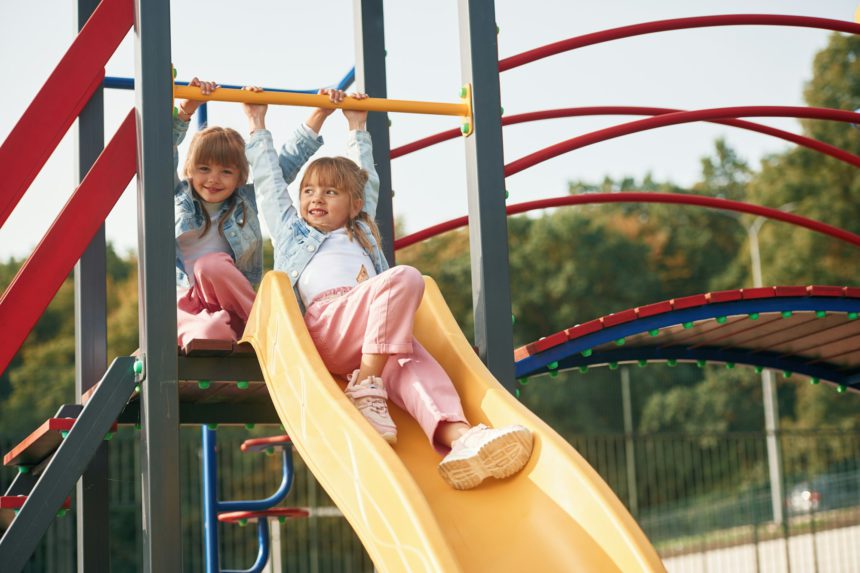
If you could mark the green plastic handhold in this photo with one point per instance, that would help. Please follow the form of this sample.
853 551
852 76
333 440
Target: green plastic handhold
688 325
852 316
502 110
523 381
513 319
250 426
464 129
282 519
786 314
175 112
721 319
242 384
517 392
613 366
701 363
759 369
385 53
620 342
137 426
642 363
61 512
203 384
174 73
552 366
672 362
138 367
463 91
243 522
730 365
753 316
270 450
586 352
137 388
507 194
583 369
498 29
841 388
389 123
786 374
814 380
64 434
553 373
108 436
23 469
654 332
820 313
212 426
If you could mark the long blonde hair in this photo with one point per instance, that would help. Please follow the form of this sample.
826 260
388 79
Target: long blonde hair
344 175
223 146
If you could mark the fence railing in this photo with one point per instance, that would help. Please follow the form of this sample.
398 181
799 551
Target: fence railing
703 500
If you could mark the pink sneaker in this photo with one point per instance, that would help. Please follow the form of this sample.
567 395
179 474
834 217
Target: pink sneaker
369 397
483 452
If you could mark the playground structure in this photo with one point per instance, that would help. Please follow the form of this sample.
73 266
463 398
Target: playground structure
759 326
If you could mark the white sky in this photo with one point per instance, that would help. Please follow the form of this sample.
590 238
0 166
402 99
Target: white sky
309 44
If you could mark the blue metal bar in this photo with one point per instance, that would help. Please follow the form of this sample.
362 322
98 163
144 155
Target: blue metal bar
210 501
262 553
537 363
275 498
121 83
202 116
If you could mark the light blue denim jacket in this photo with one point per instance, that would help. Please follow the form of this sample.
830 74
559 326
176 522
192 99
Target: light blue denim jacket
246 241
295 241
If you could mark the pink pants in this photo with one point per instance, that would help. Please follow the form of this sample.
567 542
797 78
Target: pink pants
376 317
218 304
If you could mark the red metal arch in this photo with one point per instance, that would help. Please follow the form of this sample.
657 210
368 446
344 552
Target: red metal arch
675 24
819 146
676 119
637 197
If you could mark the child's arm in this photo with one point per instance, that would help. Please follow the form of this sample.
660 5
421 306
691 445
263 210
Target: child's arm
269 183
185 109
359 148
294 153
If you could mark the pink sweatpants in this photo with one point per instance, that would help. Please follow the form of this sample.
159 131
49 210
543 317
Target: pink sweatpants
376 317
217 305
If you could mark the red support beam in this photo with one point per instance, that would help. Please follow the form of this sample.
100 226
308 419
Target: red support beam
42 275
57 105
638 197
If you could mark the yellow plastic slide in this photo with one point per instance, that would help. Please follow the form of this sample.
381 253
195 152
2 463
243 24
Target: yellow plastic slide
555 515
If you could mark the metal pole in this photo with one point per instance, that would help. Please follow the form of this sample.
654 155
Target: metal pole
488 225
632 491
768 389
159 413
92 501
370 77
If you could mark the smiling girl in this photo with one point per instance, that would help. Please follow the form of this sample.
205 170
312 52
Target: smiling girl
360 312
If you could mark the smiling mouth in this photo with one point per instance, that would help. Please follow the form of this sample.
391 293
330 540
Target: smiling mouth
317 212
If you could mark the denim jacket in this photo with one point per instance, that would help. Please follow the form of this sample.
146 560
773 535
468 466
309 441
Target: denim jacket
246 240
296 242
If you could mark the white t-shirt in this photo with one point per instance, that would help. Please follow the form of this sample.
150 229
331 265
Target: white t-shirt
193 246
338 263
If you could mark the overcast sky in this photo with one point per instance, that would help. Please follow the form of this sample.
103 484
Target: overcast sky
287 44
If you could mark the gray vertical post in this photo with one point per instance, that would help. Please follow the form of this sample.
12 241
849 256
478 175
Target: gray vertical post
370 78
159 413
630 452
92 504
488 225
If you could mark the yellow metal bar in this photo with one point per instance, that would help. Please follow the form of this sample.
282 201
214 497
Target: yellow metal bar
314 100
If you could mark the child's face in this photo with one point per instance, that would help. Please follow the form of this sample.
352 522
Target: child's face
326 208
214 182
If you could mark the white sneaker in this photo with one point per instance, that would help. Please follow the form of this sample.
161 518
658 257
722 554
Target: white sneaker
483 452
369 397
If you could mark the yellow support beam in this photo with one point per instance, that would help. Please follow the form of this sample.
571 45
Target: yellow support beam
463 109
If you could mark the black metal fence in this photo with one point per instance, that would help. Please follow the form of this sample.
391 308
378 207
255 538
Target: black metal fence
703 500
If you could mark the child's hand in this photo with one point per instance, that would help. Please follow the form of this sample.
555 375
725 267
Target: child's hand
319 115
255 112
187 107
357 119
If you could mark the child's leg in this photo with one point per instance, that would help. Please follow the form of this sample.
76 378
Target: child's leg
375 317
193 320
419 385
220 285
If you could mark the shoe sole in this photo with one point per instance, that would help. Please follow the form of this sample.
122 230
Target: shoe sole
498 458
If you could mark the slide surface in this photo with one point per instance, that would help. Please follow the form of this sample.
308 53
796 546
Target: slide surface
555 515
